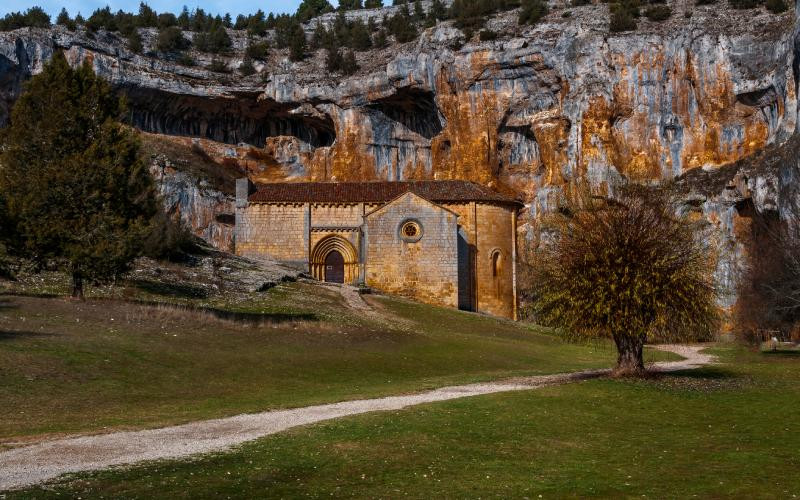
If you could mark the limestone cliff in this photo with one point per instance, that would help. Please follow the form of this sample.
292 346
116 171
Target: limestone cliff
532 112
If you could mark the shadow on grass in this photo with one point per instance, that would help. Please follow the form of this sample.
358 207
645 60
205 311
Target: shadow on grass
223 314
703 373
171 289
782 353
12 334
7 304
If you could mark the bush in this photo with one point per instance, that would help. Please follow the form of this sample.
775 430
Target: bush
401 26
622 19
135 42
258 50
745 4
776 6
215 40
168 239
247 68
218 66
185 59
532 11
171 39
658 12
487 35
35 17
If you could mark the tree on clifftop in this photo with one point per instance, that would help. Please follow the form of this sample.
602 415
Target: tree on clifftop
627 268
76 192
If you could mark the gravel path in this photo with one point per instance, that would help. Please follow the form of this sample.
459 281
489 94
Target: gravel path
44 461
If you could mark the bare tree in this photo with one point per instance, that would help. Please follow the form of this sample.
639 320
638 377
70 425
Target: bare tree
628 268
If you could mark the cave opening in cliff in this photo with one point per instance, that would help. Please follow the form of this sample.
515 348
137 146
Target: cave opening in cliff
237 119
415 109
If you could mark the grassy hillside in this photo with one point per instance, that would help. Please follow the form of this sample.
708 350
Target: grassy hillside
725 431
86 367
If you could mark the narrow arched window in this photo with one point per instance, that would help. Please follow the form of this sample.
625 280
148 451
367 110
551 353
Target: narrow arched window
497 263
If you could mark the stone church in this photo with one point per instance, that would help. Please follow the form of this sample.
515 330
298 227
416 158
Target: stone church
449 243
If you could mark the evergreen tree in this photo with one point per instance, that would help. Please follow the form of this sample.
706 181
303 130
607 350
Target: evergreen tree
359 36
349 64
419 13
184 19
147 17
438 11
312 8
297 43
171 40
63 19
350 5
76 190
135 42
373 4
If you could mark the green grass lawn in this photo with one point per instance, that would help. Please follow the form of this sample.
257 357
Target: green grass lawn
726 431
68 367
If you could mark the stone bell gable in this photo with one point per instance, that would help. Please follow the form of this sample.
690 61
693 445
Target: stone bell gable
412 249
450 243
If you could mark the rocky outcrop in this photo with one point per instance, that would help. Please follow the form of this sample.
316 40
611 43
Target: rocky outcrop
532 113
207 211
762 187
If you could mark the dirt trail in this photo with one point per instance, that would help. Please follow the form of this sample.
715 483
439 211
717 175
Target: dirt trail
37 463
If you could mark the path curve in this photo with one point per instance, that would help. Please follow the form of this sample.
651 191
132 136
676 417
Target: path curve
37 463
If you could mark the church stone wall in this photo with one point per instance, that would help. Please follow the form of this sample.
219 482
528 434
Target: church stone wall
489 229
277 230
338 215
495 228
425 270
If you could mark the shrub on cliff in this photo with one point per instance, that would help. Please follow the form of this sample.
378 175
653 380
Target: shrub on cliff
532 11
35 17
658 12
77 192
401 26
215 40
776 6
247 68
257 50
623 17
171 39
312 8
628 269
135 42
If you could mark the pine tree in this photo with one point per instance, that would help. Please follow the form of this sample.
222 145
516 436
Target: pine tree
135 42
77 192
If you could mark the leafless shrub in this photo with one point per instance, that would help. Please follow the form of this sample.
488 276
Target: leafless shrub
628 268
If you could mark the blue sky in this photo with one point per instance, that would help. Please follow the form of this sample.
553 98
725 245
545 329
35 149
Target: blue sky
85 7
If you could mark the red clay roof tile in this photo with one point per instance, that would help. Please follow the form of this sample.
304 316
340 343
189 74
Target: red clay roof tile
375 192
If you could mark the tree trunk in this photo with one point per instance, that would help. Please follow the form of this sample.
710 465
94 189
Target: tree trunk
630 357
77 285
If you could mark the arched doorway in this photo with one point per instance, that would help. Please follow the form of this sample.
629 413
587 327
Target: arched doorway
345 265
334 267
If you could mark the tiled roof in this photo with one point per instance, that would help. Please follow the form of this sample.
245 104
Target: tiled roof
375 192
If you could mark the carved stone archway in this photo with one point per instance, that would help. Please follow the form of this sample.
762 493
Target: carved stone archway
327 245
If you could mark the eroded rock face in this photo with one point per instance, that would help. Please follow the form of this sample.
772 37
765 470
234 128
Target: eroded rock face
534 113
207 211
